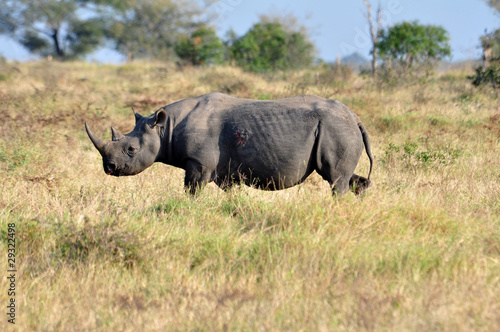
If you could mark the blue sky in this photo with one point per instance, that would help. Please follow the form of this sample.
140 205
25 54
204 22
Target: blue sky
338 27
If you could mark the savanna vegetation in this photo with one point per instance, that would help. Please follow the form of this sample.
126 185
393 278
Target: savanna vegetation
419 251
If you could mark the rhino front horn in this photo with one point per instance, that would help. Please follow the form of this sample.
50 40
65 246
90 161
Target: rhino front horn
98 143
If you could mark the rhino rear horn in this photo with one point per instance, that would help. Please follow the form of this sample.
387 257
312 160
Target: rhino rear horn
137 115
98 143
116 135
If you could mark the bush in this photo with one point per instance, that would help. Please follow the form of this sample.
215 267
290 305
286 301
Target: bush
335 74
227 83
270 47
392 74
488 75
202 47
412 156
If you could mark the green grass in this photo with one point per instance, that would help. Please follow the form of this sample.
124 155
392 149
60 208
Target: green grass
419 251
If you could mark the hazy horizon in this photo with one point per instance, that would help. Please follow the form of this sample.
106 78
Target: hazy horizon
336 28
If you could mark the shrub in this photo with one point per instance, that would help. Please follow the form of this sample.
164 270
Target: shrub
105 239
488 75
412 156
270 47
202 47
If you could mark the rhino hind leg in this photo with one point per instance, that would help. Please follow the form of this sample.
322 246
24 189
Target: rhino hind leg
338 181
359 184
340 187
337 166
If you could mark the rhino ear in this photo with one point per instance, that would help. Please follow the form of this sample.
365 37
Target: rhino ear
160 118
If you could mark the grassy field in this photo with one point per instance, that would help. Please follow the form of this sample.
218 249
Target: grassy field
419 252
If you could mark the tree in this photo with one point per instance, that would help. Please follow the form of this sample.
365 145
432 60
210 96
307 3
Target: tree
495 4
203 46
490 43
374 31
301 50
150 28
51 27
269 47
489 71
411 43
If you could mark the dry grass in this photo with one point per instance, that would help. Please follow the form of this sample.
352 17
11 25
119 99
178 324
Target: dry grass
421 251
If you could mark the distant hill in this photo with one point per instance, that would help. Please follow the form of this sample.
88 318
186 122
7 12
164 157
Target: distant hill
465 65
354 59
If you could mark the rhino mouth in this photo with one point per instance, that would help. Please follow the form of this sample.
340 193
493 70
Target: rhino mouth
120 172
114 172
111 168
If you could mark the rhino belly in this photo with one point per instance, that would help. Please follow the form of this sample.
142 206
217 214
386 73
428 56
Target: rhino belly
273 180
272 164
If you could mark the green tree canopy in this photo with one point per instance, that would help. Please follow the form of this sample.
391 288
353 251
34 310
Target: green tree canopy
410 43
269 46
51 27
492 40
494 4
150 28
202 47
489 71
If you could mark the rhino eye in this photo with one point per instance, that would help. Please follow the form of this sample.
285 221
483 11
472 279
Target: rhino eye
131 149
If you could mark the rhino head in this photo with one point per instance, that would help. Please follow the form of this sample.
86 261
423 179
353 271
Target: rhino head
132 153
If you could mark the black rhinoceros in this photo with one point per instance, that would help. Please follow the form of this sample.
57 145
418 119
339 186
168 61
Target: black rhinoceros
271 144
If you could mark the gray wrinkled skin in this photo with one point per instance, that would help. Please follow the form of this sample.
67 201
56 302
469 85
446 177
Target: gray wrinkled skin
271 145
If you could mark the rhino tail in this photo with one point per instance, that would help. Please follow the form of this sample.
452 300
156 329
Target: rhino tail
366 142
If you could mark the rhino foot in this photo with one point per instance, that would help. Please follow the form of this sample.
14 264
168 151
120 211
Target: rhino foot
359 184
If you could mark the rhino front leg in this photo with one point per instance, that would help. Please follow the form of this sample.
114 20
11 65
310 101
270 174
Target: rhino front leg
197 176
